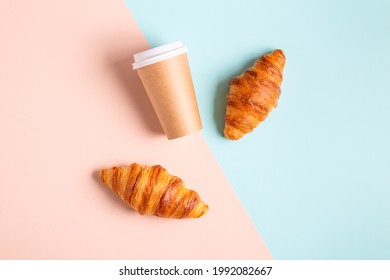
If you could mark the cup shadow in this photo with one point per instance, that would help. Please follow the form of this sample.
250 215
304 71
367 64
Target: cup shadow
136 93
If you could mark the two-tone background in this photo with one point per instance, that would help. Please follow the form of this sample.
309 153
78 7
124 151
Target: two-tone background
311 182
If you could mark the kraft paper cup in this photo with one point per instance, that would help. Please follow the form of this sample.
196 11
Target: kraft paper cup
166 76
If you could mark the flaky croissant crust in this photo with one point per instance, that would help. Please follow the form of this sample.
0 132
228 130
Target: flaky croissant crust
152 190
253 95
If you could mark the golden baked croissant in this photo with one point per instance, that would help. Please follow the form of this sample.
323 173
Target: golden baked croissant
253 94
152 190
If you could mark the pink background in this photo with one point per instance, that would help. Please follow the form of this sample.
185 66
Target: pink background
70 105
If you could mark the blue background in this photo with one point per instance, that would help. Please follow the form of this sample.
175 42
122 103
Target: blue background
315 176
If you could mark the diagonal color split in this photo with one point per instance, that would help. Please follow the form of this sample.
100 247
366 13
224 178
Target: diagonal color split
70 105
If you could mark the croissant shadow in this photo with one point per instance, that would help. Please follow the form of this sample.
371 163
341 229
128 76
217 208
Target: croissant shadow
220 104
116 200
221 94
110 194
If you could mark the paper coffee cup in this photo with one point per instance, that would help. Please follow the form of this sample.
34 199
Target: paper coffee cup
166 76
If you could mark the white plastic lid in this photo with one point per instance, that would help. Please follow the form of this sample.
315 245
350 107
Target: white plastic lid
157 54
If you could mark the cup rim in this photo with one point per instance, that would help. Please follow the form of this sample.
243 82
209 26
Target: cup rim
157 54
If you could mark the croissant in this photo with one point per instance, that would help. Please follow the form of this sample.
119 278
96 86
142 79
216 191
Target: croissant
152 190
253 95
